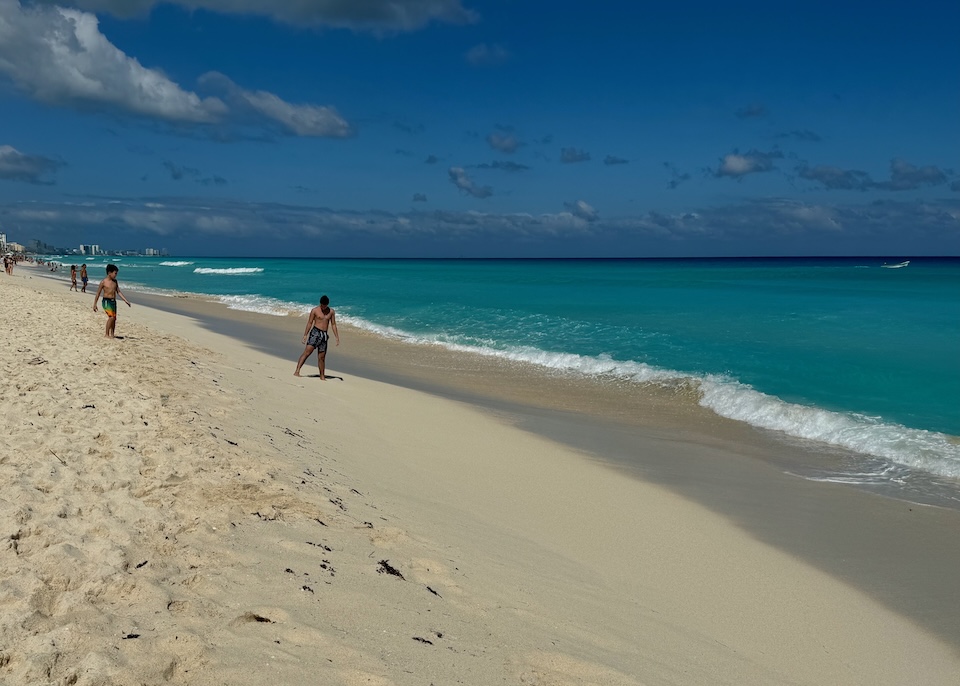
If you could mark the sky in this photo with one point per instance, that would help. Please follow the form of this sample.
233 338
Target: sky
482 128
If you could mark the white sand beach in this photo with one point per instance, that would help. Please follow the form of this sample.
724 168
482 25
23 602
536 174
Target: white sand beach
178 508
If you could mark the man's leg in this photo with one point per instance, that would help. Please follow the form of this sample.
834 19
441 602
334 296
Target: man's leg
303 358
321 364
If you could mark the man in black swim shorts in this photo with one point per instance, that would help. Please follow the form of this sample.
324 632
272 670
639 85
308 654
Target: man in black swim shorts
315 335
318 339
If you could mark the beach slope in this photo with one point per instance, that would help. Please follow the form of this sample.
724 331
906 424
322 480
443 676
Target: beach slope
178 508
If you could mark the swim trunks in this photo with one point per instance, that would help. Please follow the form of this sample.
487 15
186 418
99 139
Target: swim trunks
318 339
110 307
85 279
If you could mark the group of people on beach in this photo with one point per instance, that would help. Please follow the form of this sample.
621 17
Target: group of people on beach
8 262
83 277
320 322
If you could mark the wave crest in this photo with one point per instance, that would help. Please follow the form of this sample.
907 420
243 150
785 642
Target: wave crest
263 305
229 271
928 451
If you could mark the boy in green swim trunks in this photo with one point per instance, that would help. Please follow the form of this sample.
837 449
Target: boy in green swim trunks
110 289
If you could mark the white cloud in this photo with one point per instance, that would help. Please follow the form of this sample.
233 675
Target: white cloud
573 155
372 15
737 166
460 179
904 176
761 223
503 141
300 120
484 55
582 210
303 120
59 56
16 166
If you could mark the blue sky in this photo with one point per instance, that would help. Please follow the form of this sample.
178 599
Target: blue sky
482 128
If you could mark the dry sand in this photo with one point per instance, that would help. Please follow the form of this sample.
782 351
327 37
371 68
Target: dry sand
180 509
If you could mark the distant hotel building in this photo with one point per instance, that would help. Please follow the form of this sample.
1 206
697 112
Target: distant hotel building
3 242
92 250
151 252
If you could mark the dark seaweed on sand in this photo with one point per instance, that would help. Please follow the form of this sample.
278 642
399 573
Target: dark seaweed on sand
387 568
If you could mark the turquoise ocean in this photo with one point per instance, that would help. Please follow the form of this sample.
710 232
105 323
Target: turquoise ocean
853 355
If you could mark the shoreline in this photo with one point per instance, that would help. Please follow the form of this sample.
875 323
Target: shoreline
793 582
514 388
858 448
869 452
737 471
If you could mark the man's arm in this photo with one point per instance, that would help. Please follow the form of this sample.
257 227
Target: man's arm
313 315
97 296
333 324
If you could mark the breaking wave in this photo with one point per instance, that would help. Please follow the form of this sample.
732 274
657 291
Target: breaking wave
232 271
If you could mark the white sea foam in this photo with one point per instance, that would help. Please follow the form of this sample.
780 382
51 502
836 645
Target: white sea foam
601 365
229 271
263 305
247 303
927 451
379 329
150 290
175 264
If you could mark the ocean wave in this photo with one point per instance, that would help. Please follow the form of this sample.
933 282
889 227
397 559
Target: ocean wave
927 451
246 303
262 305
601 365
230 270
174 264
152 290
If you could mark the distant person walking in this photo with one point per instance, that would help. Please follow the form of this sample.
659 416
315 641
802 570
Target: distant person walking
110 288
73 278
83 277
315 336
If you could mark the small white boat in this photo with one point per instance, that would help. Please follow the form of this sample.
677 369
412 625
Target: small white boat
896 266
